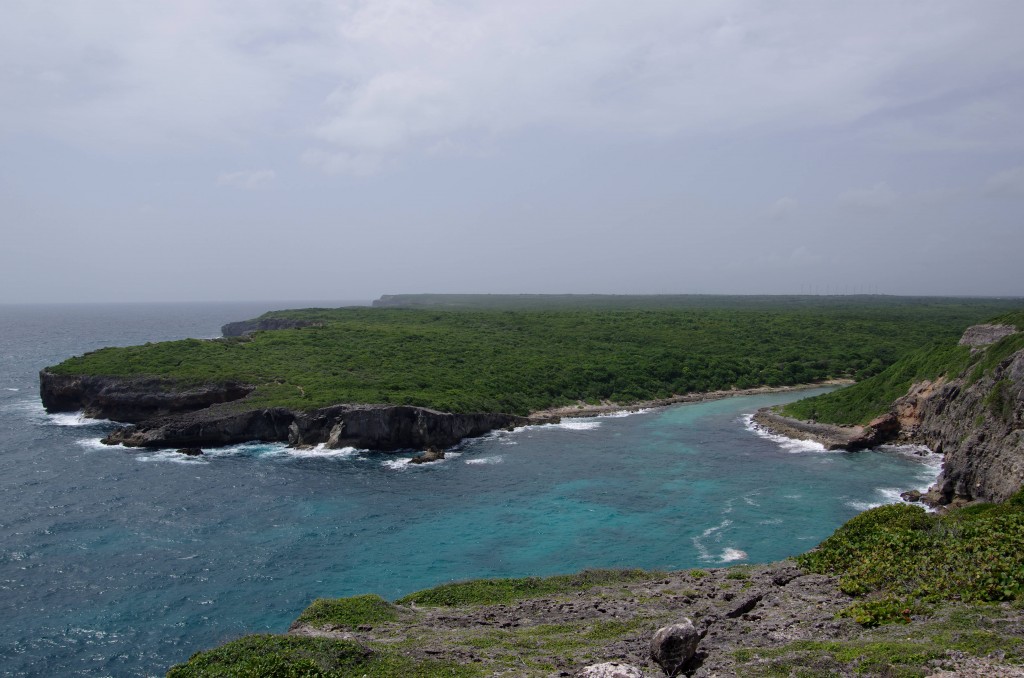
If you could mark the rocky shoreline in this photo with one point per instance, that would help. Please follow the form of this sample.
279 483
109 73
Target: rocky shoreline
583 409
758 620
168 414
974 419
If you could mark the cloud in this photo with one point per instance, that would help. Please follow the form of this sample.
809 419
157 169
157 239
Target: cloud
783 207
247 179
1009 182
879 196
361 84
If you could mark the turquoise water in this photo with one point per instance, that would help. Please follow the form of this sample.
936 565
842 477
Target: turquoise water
116 562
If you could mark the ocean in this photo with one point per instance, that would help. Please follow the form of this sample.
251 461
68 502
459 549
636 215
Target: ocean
121 563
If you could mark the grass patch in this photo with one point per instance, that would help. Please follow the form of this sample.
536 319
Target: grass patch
901 559
348 613
271 656
499 591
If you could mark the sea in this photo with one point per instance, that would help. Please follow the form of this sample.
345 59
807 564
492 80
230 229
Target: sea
118 562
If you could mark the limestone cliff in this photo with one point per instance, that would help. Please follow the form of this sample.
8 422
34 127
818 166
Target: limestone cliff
131 399
977 424
974 418
376 427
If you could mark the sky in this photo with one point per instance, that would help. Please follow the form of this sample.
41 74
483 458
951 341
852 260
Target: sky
213 150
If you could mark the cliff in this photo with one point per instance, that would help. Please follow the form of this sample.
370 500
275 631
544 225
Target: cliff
974 417
131 399
375 427
977 424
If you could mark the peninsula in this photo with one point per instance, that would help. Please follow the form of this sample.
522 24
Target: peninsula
436 370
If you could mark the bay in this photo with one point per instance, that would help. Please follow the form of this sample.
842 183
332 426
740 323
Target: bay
121 563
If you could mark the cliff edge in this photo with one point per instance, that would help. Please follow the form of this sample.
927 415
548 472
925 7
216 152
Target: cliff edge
974 416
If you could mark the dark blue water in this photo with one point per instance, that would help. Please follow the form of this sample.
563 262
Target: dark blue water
121 563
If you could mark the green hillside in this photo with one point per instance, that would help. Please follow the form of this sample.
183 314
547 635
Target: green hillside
865 400
517 361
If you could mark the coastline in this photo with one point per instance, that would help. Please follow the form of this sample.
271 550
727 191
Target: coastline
589 410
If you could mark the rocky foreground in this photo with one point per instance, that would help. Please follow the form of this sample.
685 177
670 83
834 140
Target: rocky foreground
766 620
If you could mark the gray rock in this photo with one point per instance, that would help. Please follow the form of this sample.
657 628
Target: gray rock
983 335
432 454
673 646
610 670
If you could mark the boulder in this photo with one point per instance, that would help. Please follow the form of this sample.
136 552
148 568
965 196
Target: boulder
432 454
673 646
610 670
191 451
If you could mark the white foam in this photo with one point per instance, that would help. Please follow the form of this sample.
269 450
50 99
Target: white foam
731 555
883 496
74 419
396 464
321 451
486 460
618 414
12 389
95 444
171 456
788 444
716 533
577 425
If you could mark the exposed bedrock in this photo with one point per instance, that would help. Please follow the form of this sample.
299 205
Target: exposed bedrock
393 427
831 436
131 399
978 427
976 420
375 427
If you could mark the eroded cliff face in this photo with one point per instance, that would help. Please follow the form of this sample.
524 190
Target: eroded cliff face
170 414
375 427
977 425
975 419
131 399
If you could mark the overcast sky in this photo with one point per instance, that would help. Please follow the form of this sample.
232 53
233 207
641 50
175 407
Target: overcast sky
215 150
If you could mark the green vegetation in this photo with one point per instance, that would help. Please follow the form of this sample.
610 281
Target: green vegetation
902 560
865 400
503 591
518 361
268 656
348 613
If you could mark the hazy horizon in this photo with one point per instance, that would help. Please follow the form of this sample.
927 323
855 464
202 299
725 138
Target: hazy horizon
187 151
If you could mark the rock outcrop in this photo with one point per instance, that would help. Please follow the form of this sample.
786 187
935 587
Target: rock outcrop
881 429
975 419
978 426
131 399
375 427
171 414
983 335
